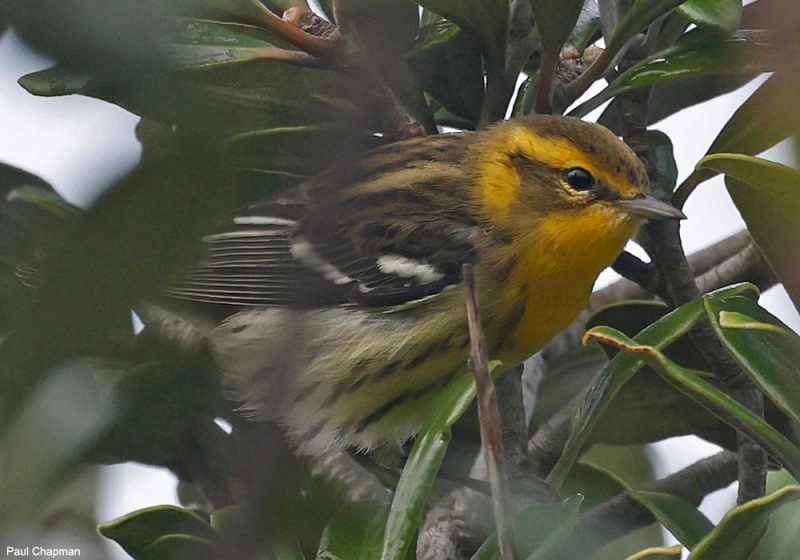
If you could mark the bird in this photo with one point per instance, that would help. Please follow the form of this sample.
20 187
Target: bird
336 309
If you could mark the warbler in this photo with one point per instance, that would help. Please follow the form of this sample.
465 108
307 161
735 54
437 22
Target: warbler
337 310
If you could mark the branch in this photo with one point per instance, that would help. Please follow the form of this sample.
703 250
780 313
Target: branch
667 252
313 45
454 527
489 419
734 259
623 514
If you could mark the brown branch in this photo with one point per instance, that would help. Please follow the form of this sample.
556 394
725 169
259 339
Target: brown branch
455 527
667 252
623 514
733 259
489 419
315 46
547 69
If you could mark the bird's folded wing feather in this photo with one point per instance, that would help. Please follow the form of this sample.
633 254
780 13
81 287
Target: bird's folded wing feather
384 248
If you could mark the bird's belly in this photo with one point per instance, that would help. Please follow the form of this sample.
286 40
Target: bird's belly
341 376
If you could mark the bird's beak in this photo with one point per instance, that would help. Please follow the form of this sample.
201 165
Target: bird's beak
646 206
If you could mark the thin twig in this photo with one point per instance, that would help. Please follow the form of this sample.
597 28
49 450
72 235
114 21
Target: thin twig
311 44
547 69
489 418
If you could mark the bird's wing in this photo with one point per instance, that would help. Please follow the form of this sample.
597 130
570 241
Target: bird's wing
312 248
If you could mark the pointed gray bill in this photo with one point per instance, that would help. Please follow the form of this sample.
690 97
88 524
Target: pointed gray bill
650 207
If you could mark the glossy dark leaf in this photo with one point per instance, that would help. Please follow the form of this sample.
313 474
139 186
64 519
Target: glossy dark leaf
587 26
619 371
555 20
485 19
667 98
157 405
387 30
693 384
206 44
137 531
178 547
767 195
354 532
698 53
539 530
767 350
766 118
680 518
738 534
641 14
723 15
447 63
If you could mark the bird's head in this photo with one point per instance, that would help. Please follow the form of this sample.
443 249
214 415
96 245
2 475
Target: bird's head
566 173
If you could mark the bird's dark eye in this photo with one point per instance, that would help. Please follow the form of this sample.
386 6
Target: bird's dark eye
579 179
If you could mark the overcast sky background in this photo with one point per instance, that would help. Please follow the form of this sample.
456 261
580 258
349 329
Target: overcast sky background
80 145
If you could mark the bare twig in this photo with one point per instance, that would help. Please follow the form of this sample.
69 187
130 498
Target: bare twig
489 418
547 69
311 44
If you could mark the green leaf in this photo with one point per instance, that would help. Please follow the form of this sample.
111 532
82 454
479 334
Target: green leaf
555 20
252 10
629 316
767 195
387 30
618 372
641 14
658 553
141 529
738 534
197 43
539 531
681 518
544 536
723 15
595 483
586 27
782 539
720 404
766 118
447 64
178 547
486 19
767 350
356 532
698 53
55 81
421 468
